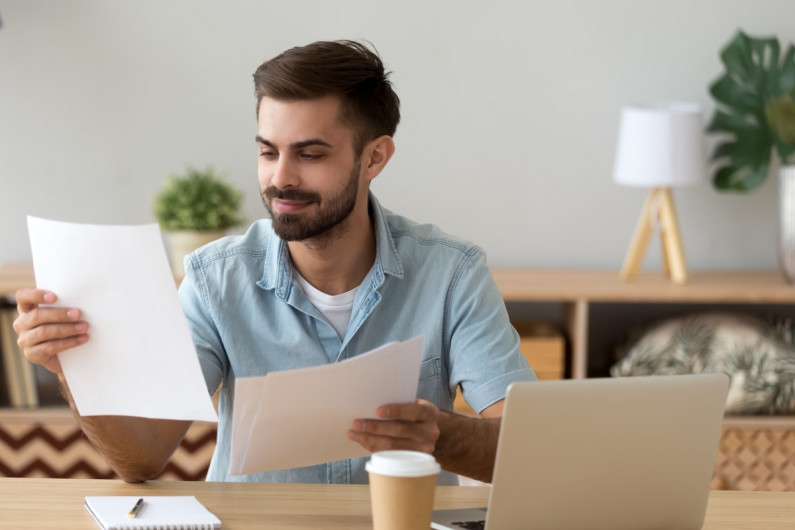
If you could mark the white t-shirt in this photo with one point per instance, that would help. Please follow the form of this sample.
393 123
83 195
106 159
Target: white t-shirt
336 308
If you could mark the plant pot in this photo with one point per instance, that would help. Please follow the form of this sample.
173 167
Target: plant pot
786 246
180 243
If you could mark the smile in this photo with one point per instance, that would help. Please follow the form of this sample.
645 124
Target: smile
285 206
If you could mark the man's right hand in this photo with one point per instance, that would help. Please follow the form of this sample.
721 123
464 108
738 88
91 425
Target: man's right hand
136 448
46 331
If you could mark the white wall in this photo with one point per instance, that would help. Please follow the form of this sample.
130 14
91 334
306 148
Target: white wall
510 112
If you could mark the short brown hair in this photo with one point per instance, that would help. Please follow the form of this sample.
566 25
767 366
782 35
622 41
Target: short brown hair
344 68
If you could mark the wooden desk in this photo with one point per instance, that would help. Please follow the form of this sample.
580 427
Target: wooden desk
44 503
47 503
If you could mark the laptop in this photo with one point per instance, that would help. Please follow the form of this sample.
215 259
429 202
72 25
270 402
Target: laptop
617 453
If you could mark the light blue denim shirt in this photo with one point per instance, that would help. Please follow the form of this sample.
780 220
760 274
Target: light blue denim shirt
248 318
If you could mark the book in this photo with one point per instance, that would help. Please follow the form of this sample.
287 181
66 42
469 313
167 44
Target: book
19 374
166 512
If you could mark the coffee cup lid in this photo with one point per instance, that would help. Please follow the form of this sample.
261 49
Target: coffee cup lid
403 464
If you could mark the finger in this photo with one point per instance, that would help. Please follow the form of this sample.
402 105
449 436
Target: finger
373 443
51 332
41 316
28 298
399 429
45 353
420 410
393 429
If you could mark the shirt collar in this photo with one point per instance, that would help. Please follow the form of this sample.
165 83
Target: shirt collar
387 257
278 267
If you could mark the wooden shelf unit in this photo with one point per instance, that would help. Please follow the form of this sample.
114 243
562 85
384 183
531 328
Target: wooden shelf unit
579 290
595 308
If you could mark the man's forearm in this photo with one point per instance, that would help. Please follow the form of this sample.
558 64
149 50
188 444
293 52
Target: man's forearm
135 448
467 445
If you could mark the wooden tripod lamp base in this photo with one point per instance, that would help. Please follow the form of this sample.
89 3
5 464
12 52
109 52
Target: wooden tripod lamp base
659 207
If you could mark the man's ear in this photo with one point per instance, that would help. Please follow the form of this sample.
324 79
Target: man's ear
376 155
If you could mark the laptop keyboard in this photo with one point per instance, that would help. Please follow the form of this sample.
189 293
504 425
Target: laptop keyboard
470 525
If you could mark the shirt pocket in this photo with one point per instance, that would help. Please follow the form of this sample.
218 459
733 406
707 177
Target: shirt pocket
430 387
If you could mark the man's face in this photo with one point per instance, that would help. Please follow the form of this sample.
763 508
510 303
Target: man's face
308 171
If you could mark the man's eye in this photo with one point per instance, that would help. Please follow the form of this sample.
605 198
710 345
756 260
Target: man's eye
269 155
311 156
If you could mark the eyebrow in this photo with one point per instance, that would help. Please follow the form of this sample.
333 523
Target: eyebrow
296 145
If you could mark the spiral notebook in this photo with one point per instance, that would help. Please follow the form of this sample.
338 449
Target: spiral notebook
167 512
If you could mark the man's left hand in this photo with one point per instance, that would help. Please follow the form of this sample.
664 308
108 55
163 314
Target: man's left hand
410 426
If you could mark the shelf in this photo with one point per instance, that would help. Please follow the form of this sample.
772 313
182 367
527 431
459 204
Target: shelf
521 285
14 276
759 422
48 415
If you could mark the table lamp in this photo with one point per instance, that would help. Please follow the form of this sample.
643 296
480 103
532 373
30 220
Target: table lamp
659 147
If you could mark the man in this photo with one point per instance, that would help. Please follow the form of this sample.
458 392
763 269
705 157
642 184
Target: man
331 275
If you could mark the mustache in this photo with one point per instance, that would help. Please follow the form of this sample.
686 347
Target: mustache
290 194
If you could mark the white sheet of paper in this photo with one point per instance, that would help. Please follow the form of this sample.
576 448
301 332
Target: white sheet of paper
140 359
298 418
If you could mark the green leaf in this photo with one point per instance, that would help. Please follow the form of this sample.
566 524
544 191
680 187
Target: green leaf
727 122
756 176
753 147
786 152
750 146
724 150
736 56
780 114
722 178
197 200
755 74
739 179
764 65
786 80
727 90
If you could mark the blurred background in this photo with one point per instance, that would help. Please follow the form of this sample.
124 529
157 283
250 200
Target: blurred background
510 113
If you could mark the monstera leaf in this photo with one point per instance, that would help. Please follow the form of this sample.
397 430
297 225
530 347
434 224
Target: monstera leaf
781 116
755 109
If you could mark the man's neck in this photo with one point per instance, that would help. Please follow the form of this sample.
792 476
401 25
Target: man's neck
338 262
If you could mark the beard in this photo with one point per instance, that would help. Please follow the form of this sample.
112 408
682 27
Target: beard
330 213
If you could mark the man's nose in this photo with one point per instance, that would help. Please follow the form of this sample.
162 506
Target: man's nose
285 174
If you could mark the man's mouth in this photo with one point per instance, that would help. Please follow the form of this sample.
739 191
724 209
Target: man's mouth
288 206
289 200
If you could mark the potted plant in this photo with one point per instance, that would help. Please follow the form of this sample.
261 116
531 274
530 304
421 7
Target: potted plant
755 109
193 209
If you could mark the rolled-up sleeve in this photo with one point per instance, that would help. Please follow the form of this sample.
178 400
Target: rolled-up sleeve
484 356
206 340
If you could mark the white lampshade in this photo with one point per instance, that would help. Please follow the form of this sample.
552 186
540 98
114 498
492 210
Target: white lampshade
660 146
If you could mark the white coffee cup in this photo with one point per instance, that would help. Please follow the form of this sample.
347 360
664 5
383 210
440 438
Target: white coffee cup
402 486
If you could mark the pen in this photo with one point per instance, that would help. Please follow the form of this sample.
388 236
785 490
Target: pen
136 508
